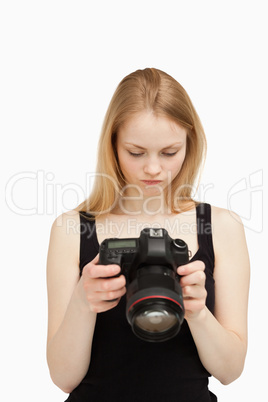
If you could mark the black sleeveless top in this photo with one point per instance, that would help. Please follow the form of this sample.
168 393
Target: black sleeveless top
124 368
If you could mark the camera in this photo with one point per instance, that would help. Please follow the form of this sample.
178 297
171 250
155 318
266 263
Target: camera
154 301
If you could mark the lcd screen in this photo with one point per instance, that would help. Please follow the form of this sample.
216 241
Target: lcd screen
124 243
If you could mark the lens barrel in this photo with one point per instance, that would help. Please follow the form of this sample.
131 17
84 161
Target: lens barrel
155 308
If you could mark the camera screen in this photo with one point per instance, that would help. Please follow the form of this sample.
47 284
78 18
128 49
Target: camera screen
122 243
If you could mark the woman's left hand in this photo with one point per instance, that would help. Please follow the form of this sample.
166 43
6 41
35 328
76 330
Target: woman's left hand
192 282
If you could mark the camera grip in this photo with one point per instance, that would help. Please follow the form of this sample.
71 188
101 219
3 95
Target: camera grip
107 260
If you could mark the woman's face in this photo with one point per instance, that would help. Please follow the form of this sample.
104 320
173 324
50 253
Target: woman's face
151 151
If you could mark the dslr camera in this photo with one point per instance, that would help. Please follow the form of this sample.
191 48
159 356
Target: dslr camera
154 301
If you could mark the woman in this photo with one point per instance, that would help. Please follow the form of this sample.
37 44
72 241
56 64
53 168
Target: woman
151 149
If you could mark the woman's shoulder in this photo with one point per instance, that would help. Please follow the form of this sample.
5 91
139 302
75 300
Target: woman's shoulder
224 217
227 228
68 216
66 225
64 243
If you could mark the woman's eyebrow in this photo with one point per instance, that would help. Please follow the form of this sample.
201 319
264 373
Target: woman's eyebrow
134 145
140 147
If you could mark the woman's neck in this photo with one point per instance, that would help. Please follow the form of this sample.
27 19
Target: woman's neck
147 207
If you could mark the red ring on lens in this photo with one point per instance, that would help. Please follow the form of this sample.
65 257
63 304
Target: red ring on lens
154 297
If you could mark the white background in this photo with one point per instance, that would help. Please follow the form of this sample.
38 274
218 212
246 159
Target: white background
60 64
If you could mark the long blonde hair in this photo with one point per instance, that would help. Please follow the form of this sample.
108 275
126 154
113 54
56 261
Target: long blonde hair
153 90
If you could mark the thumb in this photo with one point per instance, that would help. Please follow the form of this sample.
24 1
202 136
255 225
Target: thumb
92 262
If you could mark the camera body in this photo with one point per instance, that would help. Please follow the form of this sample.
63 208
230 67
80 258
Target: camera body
153 247
154 307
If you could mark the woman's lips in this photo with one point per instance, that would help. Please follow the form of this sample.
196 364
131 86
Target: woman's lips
151 182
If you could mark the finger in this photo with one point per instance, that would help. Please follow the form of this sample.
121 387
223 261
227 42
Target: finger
196 278
96 292
101 271
113 295
194 305
111 284
194 292
191 267
96 259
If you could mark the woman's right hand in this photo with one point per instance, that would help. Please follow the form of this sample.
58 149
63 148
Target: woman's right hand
102 290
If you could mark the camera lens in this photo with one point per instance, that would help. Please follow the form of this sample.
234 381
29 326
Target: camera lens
155 304
155 320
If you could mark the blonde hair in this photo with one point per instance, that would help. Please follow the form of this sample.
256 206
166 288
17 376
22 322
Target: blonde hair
153 90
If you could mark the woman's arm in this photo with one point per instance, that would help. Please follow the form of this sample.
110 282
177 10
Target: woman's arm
221 340
73 302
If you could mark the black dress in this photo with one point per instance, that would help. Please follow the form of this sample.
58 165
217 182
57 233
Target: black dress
124 368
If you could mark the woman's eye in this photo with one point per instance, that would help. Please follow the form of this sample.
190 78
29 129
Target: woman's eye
135 154
169 153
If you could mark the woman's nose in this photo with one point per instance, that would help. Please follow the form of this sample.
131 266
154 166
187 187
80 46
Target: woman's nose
152 167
